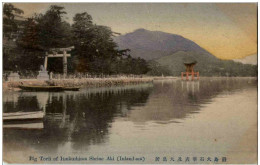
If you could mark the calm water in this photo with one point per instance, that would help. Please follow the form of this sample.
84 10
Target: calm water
168 118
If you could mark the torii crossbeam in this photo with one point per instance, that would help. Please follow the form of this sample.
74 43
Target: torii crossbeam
55 53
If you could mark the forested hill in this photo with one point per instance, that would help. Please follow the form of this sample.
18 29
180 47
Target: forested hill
165 53
173 65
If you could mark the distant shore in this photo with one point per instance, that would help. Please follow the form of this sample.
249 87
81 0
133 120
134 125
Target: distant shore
91 82
84 82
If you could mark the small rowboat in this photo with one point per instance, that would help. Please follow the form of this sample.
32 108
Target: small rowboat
22 116
41 88
31 125
48 88
23 120
70 88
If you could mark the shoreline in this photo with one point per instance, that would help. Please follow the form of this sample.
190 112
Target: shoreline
92 82
84 82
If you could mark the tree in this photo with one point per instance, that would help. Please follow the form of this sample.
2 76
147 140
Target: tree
155 69
94 46
30 37
9 24
10 34
96 51
53 30
42 32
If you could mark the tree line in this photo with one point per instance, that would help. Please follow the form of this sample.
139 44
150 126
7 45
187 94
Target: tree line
95 51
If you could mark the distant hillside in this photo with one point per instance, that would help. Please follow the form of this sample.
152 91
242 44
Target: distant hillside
155 44
166 52
173 65
174 62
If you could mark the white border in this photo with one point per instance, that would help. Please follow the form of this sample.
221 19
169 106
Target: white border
131 1
118 1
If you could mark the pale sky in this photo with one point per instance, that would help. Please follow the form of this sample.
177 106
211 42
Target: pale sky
227 30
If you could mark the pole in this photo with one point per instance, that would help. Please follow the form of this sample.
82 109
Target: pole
64 64
46 60
64 109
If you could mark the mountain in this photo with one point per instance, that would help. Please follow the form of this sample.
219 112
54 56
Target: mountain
166 53
155 44
248 60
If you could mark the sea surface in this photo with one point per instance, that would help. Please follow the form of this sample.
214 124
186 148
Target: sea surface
213 120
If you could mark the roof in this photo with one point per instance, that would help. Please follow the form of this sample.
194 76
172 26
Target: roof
189 60
62 49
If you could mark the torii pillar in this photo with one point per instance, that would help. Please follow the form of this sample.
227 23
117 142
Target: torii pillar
65 66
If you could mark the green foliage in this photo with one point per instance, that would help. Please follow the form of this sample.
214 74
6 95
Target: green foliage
207 66
9 23
9 10
53 30
234 69
156 69
10 32
30 37
47 30
95 50
10 60
42 32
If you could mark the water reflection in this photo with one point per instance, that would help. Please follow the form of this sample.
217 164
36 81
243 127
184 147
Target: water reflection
73 116
81 119
172 100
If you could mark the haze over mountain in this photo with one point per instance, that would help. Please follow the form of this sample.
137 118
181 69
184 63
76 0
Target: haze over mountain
248 60
166 52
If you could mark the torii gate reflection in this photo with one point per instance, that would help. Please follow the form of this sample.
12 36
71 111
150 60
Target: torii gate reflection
193 86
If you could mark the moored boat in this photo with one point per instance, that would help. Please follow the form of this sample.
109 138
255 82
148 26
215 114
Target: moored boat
41 88
31 125
48 88
70 88
22 116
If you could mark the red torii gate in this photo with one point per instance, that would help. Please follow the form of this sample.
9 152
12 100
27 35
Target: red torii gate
189 70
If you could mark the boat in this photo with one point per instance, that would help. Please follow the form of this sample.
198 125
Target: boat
34 125
23 120
48 88
41 88
22 116
71 88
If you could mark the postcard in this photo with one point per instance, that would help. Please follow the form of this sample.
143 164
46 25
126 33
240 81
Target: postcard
129 83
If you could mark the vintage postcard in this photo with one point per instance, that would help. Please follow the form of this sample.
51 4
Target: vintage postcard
129 83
